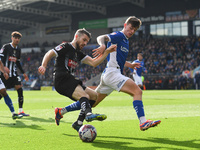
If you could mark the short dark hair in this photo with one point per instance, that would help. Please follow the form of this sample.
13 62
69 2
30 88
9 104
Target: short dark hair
135 22
83 31
16 34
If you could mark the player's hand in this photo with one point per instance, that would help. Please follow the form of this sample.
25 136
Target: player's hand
25 77
7 70
136 65
41 70
111 49
6 76
98 51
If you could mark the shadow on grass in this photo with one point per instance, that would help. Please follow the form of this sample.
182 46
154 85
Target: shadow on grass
20 124
36 119
125 145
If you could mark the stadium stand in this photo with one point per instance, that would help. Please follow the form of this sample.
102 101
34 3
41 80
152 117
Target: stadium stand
169 37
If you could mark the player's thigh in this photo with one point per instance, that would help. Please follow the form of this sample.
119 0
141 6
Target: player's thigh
92 94
79 92
131 88
100 97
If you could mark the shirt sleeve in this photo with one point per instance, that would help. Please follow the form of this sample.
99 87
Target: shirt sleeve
2 51
59 49
114 37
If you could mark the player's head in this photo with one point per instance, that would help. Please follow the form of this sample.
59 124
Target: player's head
131 25
81 38
139 56
16 37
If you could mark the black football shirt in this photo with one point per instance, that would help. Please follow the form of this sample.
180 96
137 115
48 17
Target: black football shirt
67 58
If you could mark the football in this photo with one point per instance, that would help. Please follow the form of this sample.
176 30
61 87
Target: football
87 133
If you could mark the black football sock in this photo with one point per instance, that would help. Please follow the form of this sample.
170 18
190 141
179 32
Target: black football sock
20 97
81 118
85 105
92 102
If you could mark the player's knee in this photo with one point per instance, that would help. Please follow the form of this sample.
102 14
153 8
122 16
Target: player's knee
138 92
87 96
93 96
3 92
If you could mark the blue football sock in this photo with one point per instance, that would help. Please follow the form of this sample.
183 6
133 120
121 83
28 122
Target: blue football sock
138 105
74 106
9 103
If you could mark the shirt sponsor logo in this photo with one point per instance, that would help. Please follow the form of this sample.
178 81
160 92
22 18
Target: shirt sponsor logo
124 49
13 59
72 64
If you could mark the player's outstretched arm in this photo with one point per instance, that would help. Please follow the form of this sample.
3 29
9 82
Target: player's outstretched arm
47 57
98 60
101 41
132 65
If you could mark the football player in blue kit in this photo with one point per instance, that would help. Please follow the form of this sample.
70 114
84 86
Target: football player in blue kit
112 77
138 72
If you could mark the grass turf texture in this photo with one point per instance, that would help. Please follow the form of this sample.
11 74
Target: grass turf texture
179 112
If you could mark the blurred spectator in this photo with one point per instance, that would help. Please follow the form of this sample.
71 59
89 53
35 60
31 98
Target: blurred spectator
165 60
197 80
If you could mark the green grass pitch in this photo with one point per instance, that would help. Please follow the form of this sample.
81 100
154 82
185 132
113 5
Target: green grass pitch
179 112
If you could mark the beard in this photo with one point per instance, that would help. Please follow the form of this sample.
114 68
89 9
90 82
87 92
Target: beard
77 46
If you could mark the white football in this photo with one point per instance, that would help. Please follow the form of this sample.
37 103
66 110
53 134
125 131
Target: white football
87 133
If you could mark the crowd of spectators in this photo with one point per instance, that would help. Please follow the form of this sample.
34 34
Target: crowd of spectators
165 59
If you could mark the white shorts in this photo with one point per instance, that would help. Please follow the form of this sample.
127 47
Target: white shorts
137 79
2 86
111 79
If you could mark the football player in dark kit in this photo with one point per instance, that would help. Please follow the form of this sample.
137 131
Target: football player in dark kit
10 55
67 57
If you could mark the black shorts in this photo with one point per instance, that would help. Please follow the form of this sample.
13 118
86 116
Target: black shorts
65 84
11 82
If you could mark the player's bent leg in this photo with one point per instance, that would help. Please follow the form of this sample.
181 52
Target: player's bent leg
92 94
132 89
100 97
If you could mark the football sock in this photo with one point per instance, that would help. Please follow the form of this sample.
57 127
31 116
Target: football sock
142 119
9 103
92 102
72 107
20 110
75 106
81 118
20 97
138 105
85 105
